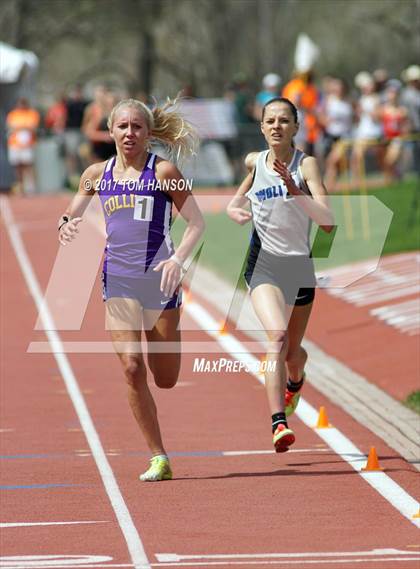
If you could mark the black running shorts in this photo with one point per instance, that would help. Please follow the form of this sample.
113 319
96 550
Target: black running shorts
293 275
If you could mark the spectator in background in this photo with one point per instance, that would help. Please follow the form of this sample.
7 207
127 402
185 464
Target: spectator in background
381 78
368 132
55 123
94 125
271 87
327 87
410 98
56 116
326 90
337 120
304 95
22 123
239 92
242 99
394 118
73 137
187 91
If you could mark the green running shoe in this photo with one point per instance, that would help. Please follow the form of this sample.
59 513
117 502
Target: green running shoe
291 399
283 437
159 469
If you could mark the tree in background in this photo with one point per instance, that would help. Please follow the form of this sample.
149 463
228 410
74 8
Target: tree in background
159 46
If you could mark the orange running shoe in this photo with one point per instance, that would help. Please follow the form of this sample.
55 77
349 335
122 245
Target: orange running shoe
283 437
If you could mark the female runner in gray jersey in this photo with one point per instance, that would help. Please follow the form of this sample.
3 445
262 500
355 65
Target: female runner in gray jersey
142 271
285 192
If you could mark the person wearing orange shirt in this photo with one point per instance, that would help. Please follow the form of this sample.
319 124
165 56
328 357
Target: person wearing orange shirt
22 123
304 95
56 117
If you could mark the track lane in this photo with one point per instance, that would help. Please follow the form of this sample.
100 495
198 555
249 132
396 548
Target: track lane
45 435
207 413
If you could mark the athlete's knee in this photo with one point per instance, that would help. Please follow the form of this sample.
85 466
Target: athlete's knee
277 341
165 369
134 370
166 380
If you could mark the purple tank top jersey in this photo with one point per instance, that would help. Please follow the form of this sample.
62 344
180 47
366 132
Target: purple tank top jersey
138 217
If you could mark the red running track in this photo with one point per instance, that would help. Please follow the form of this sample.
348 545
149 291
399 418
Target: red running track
357 325
296 507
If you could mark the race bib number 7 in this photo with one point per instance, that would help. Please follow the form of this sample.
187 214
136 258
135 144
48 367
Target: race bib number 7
143 208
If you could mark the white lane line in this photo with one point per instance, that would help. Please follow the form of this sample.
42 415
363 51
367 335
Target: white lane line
92 562
258 563
131 535
289 562
251 452
175 558
380 481
50 561
31 524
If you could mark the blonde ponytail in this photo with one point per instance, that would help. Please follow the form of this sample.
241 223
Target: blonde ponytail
167 125
178 135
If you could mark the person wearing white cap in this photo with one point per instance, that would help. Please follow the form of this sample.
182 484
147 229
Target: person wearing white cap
271 84
412 73
410 98
369 129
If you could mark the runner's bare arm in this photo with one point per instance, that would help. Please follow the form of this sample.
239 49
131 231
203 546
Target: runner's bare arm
251 160
236 207
187 206
316 206
68 222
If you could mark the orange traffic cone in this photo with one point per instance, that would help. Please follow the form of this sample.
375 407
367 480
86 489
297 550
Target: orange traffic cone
223 328
417 515
323 422
372 464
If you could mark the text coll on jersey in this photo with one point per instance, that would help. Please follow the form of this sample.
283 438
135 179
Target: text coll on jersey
278 191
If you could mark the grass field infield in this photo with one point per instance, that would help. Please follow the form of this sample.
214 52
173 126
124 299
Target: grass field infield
226 243
367 230
413 401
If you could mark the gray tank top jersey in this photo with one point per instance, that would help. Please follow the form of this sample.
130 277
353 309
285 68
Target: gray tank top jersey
279 220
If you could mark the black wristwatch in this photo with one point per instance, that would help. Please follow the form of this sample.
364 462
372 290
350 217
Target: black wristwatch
63 220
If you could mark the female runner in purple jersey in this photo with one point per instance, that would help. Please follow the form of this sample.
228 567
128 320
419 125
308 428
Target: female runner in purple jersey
142 272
